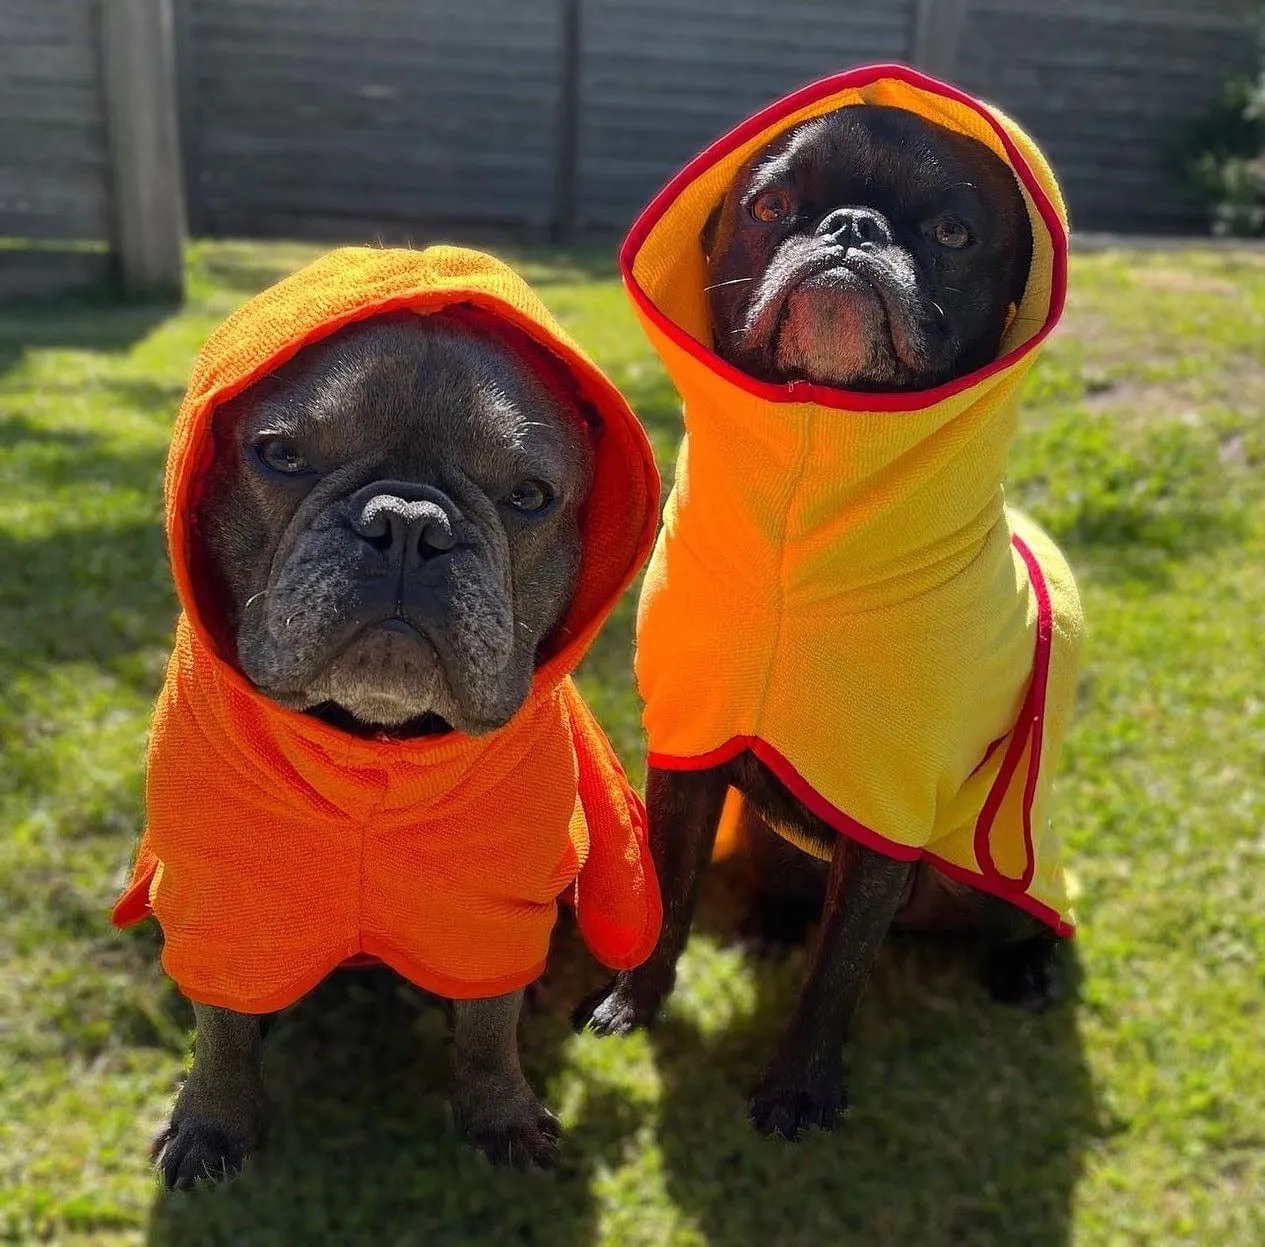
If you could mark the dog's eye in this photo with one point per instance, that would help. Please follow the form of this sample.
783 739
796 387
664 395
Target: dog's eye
281 456
529 497
952 234
770 206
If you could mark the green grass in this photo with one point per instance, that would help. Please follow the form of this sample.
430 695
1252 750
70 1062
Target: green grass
1133 1113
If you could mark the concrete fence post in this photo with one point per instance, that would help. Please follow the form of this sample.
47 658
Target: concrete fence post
139 72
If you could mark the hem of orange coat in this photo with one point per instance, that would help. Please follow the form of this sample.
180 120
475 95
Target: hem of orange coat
848 826
128 912
428 981
807 391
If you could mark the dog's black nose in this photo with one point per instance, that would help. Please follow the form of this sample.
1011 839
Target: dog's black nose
852 227
410 522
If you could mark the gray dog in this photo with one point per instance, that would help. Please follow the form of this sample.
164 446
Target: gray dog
388 528
404 415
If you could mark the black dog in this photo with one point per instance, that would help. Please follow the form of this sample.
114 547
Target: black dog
867 250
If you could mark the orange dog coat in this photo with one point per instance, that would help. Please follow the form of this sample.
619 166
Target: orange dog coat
839 586
278 847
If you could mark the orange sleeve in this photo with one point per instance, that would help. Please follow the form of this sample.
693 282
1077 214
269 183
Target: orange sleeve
617 903
133 905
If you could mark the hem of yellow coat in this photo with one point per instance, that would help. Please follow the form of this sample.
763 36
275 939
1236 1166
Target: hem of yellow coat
848 826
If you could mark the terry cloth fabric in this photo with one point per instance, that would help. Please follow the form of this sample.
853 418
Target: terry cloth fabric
278 847
839 586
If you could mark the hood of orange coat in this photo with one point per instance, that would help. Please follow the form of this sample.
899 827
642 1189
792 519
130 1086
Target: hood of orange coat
277 846
355 283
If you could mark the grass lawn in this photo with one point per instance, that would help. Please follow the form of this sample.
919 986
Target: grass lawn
1132 1113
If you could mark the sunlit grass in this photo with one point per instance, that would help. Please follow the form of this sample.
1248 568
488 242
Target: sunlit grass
1130 1114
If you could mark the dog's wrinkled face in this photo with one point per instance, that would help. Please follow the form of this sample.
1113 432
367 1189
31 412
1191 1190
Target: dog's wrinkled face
868 249
392 518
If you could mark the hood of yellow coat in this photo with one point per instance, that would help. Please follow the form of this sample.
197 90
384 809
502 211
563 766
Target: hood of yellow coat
664 268
838 574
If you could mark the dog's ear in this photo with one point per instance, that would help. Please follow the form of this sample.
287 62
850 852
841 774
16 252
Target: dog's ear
710 226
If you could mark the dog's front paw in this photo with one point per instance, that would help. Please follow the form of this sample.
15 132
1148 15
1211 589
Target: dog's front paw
1023 973
211 1132
787 1101
626 1003
188 1150
503 1118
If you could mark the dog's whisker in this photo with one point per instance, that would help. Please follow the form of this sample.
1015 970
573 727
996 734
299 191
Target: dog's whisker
254 597
737 281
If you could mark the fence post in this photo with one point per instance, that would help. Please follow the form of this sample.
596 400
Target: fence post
138 70
937 26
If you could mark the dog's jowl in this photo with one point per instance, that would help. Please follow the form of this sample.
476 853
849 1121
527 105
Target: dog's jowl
400 504
843 621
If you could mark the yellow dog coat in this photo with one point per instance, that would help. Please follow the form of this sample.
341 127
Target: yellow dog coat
839 586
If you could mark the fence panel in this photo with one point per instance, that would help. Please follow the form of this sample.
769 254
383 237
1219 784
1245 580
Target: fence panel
320 116
659 79
1109 89
54 165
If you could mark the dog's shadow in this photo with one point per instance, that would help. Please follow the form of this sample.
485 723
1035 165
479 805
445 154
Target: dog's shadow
968 1122
360 1147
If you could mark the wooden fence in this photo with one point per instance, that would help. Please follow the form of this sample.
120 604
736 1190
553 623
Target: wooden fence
90 177
533 118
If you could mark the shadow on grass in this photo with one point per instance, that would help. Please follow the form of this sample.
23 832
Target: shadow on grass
92 321
968 1127
95 590
361 1149
98 595
968 1122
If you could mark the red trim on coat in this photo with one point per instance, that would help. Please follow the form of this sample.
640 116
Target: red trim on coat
807 391
1020 900
1029 729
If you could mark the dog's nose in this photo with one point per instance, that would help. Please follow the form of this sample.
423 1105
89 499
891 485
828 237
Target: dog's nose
410 522
852 227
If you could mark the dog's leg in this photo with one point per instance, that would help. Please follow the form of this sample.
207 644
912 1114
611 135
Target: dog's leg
788 887
1020 956
495 1108
217 1117
1020 952
684 809
804 1084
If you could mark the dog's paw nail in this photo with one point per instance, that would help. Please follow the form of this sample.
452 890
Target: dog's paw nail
785 1111
520 1147
187 1153
611 1011
161 1137
518 1139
